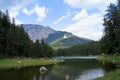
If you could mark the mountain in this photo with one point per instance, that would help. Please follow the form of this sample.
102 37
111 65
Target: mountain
53 37
65 39
37 31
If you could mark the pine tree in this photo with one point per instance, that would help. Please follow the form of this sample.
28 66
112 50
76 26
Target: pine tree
110 41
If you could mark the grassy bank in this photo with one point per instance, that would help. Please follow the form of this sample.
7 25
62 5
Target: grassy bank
11 63
110 58
113 75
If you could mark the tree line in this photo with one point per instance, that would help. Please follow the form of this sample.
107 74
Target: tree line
90 48
110 42
14 41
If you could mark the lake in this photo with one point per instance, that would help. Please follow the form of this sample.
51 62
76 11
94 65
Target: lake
71 69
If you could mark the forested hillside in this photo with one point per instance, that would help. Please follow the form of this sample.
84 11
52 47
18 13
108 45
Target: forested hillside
91 48
14 41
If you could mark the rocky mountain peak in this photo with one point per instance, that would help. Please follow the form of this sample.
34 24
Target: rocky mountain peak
38 31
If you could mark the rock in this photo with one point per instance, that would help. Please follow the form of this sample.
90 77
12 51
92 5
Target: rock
43 70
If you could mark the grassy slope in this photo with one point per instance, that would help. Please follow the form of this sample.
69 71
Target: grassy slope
115 75
56 41
11 63
68 40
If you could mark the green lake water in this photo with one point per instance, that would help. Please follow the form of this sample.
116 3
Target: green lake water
77 69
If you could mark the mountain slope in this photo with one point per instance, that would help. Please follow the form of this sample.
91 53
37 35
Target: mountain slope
37 31
53 37
69 40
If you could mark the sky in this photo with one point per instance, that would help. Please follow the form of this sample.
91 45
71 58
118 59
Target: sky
83 18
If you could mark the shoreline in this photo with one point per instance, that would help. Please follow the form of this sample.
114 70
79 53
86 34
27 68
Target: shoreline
13 63
112 75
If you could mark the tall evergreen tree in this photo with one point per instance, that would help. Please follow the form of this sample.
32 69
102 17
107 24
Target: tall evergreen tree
110 41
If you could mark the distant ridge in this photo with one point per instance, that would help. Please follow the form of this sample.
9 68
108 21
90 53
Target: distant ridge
53 37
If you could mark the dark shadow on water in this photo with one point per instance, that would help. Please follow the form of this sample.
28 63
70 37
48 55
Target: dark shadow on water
28 73
109 66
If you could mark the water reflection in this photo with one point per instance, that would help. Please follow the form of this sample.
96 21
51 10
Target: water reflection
68 70
91 74
109 66
79 70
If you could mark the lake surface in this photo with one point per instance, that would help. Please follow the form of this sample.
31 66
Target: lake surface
77 69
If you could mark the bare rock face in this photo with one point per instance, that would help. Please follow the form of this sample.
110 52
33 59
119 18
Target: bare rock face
38 31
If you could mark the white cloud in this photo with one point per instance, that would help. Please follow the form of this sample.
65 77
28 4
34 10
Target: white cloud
13 12
39 11
8 4
62 18
14 7
90 26
88 4
80 15
28 12
18 22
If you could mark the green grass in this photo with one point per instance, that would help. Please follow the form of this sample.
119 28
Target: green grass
113 75
110 58
59 47
12 63
56 41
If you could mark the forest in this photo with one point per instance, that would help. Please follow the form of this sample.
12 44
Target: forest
14 41
86 49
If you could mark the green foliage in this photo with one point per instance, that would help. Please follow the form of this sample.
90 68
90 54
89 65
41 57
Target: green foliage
110 58
91 48
110 43
14 41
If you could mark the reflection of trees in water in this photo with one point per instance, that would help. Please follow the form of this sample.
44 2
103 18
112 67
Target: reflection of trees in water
67 70
69 77
28 73
19 74
71 69
109 66
43 77
81 64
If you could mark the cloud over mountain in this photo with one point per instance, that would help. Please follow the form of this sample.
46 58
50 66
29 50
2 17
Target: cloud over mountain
87 25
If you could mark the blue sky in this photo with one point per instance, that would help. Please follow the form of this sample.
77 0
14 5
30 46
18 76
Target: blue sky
81 17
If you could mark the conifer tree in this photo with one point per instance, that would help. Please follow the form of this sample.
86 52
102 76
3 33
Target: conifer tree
110 41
